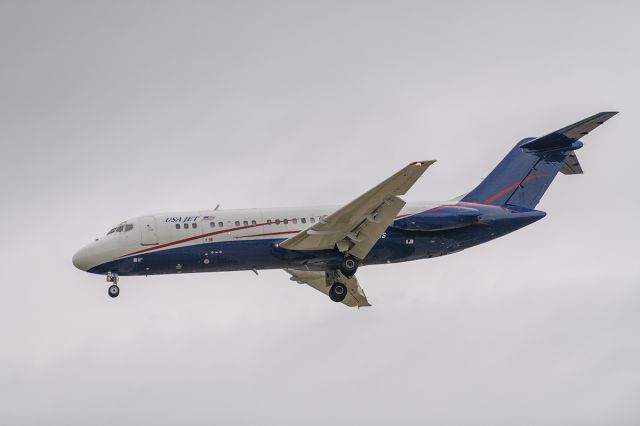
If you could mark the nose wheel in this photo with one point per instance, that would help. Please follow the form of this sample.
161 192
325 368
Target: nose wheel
114 290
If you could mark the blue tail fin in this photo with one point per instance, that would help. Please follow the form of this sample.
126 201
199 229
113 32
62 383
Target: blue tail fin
524 175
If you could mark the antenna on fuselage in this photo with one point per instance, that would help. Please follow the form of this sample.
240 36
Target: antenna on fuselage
217 207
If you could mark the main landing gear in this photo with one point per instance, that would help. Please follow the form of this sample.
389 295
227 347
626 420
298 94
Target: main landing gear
349 266
114 290
346 270
338 292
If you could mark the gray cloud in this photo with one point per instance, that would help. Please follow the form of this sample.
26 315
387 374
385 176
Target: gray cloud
113 110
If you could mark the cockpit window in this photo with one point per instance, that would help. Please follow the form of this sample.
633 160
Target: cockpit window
122 226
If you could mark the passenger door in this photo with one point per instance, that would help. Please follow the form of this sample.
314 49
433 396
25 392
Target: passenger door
148 232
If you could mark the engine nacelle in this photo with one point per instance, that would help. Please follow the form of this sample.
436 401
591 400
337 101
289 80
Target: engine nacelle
439 219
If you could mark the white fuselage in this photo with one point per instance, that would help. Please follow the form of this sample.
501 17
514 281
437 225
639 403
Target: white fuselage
164 231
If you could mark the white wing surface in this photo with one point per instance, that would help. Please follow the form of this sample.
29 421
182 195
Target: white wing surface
356 227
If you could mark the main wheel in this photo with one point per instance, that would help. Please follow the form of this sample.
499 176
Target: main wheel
338 292
114 290
349 266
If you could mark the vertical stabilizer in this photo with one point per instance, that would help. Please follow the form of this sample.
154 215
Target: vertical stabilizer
524 175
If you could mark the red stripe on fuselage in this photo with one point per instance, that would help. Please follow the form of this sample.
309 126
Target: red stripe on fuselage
512 187
270 233
195 237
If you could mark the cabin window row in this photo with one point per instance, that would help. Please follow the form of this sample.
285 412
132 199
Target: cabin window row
269 222
237 223
186 225
294 221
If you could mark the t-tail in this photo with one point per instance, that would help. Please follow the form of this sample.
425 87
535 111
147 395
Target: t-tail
524 175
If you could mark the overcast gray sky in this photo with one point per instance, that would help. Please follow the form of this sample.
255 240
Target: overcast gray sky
110 110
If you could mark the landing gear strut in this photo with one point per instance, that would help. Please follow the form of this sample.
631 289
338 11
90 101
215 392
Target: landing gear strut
338 292
349 266
114 290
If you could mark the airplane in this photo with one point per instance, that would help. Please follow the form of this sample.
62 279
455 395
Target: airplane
323 247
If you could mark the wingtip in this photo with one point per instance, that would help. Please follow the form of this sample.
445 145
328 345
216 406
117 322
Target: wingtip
423 163
604 116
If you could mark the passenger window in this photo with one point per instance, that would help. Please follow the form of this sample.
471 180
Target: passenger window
186 226
285 221
303 220
237 223
245 223
128 227
194 225
220 224
268 222
294 221
277 221
312 220
177 226
212 224
253 222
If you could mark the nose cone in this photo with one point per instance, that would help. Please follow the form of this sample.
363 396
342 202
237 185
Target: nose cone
82 260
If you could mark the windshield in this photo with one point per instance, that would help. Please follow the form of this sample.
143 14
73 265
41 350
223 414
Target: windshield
123 227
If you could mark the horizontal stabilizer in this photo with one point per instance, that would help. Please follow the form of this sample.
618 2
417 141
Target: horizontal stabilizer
566 136
571 165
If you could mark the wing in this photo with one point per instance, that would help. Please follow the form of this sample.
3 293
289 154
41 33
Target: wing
356 227
320 280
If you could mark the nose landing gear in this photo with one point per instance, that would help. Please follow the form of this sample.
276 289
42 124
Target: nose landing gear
114 290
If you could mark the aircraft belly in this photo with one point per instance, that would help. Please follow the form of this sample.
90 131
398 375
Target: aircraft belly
218 256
